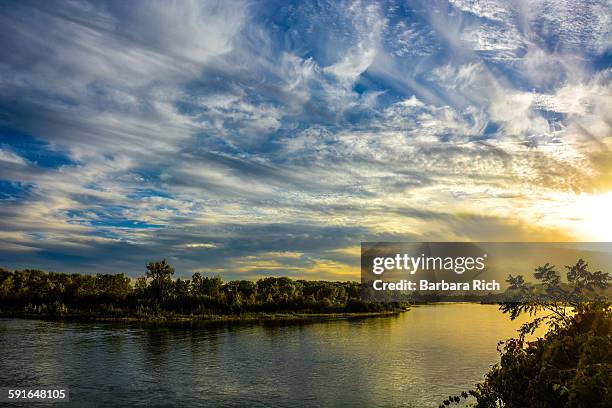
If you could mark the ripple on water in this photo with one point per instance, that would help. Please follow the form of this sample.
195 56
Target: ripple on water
412 360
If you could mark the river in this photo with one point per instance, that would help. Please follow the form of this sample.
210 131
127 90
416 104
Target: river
415 359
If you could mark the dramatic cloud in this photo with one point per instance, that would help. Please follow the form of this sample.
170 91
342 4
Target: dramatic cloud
271 139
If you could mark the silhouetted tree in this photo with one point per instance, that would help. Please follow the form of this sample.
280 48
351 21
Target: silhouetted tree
160 273
572 365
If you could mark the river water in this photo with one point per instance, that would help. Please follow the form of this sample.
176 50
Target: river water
415 359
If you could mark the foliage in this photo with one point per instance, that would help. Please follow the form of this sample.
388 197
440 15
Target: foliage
32 291
572 365
160 273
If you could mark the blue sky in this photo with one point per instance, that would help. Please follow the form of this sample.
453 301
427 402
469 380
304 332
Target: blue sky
271 138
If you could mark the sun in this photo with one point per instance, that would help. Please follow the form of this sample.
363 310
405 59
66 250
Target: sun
592 216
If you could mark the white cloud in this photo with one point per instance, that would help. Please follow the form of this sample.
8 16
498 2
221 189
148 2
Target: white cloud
207 245
9 157
357 59
209 125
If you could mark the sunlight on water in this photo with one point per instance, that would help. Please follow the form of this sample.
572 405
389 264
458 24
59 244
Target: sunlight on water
413 360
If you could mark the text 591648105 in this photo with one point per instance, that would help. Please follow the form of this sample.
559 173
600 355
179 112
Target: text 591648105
19 394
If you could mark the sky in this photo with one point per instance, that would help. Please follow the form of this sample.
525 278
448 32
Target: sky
265 138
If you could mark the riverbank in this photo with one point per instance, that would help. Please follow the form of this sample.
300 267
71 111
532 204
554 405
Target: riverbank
177 318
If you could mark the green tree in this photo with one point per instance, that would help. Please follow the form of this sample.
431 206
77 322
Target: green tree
196 284
211 286
160 273
33 291
572 365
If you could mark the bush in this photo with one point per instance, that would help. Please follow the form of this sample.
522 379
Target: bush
572 365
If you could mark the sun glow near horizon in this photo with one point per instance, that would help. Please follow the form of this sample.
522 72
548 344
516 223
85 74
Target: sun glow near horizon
593 216
585 217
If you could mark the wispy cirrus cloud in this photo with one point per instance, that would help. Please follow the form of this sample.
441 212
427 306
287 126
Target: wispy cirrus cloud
228 136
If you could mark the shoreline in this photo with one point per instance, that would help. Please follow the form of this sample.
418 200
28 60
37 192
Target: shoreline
246 317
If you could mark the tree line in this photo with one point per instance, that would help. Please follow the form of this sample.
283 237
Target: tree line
32 291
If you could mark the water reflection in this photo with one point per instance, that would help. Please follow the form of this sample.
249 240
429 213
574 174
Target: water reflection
415 359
